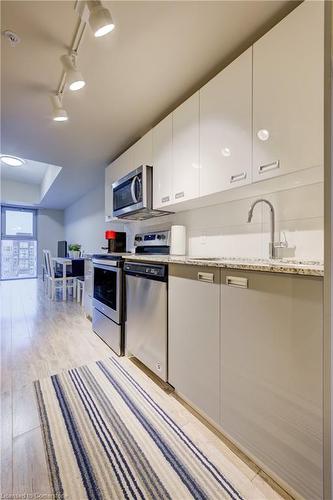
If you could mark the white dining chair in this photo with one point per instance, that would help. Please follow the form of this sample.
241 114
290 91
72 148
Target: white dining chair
46 275
80 289
56 282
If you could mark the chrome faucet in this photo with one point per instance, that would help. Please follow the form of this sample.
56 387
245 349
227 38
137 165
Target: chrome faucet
272 253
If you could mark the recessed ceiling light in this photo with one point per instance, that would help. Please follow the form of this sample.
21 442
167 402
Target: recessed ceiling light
100 20
12 161
74 78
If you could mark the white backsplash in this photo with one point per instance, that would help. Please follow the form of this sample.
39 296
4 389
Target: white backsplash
222 230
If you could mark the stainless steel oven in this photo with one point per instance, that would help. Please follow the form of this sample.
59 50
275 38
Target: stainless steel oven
108 302
132 195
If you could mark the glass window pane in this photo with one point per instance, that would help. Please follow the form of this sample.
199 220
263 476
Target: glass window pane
19 223
18 259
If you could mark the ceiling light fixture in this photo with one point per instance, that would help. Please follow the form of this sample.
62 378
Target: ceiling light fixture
74 78
90 12
59 113
100 20
12 161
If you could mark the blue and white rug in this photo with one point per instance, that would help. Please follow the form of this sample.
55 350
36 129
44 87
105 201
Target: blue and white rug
107 437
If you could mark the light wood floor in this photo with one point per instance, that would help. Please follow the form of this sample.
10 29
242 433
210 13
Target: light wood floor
40 338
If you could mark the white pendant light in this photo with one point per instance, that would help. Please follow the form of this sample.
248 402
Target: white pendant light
59 113
74 78
12 161
100 20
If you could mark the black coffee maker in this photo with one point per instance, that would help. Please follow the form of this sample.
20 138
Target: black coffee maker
116 242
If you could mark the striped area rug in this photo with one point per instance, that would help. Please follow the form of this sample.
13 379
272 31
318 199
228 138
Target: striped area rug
106 437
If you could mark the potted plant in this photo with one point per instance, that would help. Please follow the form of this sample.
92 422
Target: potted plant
74 251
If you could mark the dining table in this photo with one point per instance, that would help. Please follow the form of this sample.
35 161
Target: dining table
65 262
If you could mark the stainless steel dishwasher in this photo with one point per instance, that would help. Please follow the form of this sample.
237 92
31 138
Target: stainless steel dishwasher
146 327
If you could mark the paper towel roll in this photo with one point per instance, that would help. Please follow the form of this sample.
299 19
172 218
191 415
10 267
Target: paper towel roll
178 240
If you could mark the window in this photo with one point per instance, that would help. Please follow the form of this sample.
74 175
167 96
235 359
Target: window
18 243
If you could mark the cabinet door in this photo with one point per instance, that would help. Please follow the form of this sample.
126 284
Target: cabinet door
226 128
194 336
125 164
185 147
288 86
143 151
162 162
108 193
271 373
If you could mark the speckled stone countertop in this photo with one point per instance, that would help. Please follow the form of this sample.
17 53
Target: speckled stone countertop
287 266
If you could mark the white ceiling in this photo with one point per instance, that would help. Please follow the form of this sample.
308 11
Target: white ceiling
159 54
32 172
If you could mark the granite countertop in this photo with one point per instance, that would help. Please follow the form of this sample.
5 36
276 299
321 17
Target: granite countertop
287 266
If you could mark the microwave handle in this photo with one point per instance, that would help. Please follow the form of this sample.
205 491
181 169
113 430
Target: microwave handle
135 179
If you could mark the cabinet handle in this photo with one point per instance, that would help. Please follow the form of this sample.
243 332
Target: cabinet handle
269 166
206 277
181 194
165 199
238 177
237 281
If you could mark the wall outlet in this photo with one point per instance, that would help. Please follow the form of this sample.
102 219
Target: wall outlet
203 239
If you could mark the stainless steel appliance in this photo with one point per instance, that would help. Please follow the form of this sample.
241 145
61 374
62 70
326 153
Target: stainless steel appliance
146 327
108 300
133 195
147 315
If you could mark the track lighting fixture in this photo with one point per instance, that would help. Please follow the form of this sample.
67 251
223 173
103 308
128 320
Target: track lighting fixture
74 78
98 17
59 113
100 20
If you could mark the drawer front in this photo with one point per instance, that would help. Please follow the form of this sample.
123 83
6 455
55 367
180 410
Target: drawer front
108 330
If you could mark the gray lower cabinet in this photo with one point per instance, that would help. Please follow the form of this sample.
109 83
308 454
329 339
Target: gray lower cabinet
88 286
194 335
271 373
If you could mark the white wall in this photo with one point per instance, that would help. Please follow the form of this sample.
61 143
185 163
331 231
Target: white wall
21 193
218 230
222 230
85 223
50 230
50 176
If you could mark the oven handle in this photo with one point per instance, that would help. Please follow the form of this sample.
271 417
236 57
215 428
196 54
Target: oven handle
111 267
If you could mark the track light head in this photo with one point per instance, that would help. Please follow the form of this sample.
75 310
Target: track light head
100 20
59 113
74 78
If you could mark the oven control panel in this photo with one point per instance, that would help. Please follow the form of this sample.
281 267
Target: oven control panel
157 238
146 270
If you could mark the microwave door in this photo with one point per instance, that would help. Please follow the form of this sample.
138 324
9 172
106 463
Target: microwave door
129 193
124 195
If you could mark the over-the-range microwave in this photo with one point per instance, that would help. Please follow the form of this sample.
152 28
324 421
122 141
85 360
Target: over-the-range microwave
133 195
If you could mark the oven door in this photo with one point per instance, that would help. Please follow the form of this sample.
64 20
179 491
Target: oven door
108 290
129 194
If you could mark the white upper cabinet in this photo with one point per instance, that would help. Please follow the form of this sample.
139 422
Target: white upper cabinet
117 169
185 147
288 85
143 151
108 193
162 163
125 163
226 127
